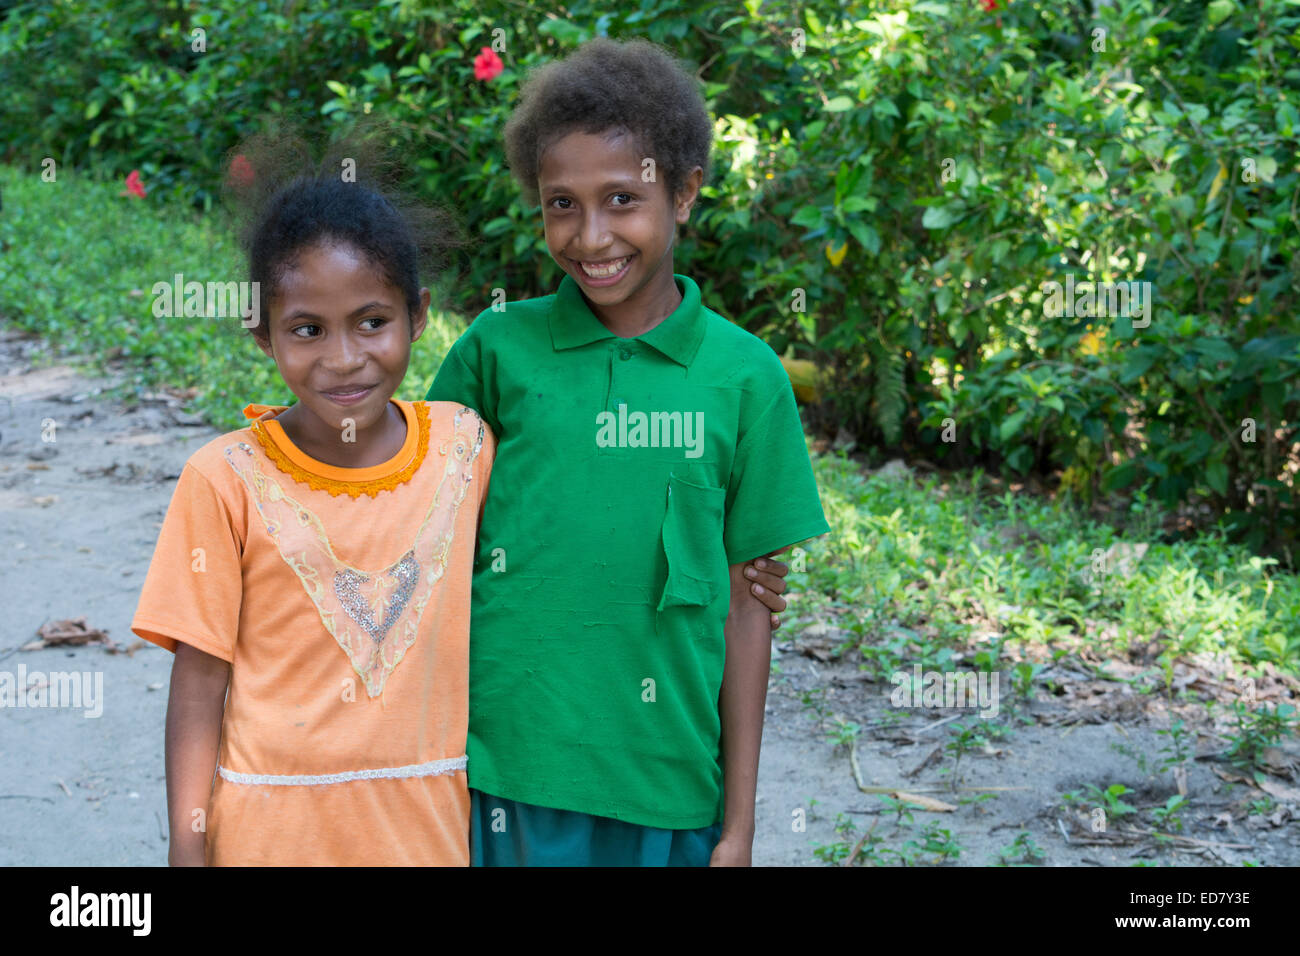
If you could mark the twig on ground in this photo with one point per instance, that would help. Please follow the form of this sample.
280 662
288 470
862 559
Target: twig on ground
848 861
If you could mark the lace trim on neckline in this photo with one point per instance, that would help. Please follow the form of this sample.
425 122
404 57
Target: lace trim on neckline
336 487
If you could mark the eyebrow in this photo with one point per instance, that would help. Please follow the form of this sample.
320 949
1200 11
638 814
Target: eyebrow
304 314
626 185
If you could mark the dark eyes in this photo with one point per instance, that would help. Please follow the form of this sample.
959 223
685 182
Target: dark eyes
627 197
316 328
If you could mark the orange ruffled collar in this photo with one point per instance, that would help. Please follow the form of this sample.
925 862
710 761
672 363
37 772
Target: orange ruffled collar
354 482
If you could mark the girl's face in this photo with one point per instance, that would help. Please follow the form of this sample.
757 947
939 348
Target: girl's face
604 225
341 337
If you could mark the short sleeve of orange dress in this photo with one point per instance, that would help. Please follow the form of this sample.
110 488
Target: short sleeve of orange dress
340 597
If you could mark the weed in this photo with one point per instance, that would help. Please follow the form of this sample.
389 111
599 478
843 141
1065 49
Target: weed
1022 851
1177 748
1169 816
1258 729
933 839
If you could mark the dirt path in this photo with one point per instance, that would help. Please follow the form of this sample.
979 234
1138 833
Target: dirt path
78 520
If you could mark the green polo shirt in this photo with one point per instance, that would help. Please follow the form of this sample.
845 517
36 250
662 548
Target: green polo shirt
629 474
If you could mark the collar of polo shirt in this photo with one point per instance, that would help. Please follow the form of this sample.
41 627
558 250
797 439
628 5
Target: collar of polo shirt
573 324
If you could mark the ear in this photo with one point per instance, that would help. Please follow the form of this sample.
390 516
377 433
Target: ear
421 320
686 196
265 345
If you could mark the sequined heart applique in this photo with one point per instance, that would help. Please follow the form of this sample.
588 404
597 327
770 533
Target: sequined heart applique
347 585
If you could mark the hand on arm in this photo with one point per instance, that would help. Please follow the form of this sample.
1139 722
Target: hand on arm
767 583
740 706
194 712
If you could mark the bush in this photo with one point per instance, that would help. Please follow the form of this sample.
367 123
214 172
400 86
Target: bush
894 183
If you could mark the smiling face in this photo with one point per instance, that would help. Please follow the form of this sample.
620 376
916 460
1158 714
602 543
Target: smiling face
609 230
341 337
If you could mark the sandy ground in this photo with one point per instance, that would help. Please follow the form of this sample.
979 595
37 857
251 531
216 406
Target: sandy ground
78 520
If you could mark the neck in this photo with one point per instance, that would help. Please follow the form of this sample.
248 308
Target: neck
373 445
644 309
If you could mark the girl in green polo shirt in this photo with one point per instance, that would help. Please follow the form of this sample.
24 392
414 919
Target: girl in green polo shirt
649 449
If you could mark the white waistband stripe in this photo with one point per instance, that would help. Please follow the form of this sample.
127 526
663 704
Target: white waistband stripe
433 768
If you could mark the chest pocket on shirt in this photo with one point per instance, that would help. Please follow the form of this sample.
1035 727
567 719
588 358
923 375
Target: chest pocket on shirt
692 541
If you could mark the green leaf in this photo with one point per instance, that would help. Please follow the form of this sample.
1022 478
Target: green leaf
567 32
1011 426
337 88
1216 475
1138 362
810 217
866 235
941 217
943 299
1216 350
1219 10
839 104
885 107
1121 476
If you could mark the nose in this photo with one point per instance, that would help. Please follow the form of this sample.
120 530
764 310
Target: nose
347 355
594 234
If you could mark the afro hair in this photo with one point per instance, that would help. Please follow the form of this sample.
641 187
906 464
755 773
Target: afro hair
606 85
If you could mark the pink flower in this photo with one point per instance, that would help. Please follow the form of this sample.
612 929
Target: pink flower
133 185
241 171
487 64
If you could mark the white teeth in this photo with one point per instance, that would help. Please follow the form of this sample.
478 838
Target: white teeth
605 271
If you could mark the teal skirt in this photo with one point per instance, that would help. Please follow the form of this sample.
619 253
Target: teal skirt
507 833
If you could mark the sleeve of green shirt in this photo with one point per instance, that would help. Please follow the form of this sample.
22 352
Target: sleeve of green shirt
772 499
460 379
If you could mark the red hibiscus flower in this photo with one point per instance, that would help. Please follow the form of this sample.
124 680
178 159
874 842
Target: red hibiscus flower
133 185
989 5
487 64
241 171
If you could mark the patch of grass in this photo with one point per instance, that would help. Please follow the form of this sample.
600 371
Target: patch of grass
1257 729
79 266
918 574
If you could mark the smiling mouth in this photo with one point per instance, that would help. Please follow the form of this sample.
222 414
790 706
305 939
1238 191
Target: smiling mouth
603 270
350 394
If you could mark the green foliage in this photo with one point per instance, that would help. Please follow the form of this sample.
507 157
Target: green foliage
1257 728
1178 747
1170 816
1111 800
78 267
918 570
1022 851
914 171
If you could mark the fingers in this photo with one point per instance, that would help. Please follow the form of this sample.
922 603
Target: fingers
771 565
776 622
771 599
765 579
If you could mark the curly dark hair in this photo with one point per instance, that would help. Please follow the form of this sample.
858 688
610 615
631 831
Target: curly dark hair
632 86
284 202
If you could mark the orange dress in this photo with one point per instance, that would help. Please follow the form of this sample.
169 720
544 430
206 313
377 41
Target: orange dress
341 599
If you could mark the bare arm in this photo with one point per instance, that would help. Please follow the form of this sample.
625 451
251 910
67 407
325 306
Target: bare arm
740 706
194 712
767 583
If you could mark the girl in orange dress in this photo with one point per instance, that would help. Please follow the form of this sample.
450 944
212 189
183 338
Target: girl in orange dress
312 575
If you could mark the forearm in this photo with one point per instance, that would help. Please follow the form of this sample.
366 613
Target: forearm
741 704
194 714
